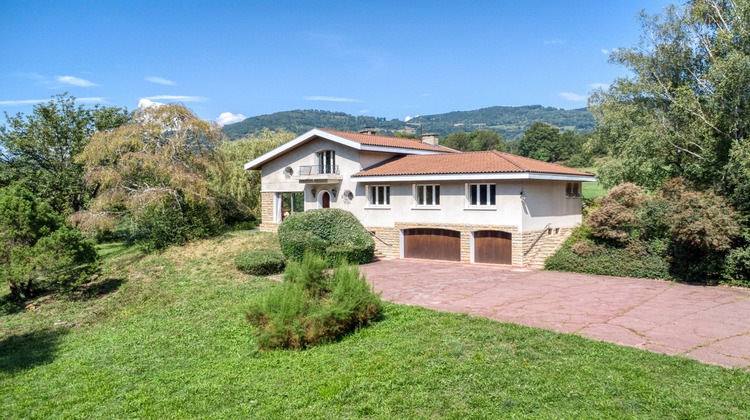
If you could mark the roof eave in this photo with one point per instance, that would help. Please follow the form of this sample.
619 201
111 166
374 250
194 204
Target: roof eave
473 177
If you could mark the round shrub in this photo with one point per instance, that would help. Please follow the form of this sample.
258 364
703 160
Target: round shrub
295 242
342 236
260 262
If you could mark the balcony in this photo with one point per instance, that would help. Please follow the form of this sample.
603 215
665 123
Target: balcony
319 174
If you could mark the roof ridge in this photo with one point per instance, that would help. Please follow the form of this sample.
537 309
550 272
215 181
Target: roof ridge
502 155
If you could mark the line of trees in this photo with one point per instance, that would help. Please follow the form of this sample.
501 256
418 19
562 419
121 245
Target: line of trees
153 177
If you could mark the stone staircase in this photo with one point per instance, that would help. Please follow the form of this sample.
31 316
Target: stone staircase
546 246
379 256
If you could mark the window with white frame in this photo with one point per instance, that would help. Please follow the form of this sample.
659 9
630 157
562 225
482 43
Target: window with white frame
427 195
327 162
380 195
481 194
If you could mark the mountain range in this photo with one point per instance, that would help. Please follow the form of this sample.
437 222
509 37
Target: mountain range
510 121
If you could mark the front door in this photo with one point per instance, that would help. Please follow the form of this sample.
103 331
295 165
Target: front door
325 200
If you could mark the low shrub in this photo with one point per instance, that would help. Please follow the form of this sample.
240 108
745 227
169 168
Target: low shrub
313 305
645 260
260 262
342 236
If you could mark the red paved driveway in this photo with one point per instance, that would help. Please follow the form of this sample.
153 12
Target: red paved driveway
710 324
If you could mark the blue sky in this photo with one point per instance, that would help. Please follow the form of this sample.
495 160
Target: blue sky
381 58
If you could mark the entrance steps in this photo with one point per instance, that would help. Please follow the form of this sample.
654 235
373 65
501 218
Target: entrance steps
546 246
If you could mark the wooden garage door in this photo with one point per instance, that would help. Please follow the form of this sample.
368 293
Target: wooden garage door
492 246
432 244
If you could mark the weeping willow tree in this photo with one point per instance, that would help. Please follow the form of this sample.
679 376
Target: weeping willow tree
154 173
233 180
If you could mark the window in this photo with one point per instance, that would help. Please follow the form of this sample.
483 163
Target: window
380 195
291 203
481 194
327 162
427 195
573 189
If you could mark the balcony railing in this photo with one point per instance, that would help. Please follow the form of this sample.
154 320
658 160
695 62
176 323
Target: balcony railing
307 170
322 174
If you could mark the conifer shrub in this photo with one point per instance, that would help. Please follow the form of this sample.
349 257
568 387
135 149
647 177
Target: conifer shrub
260 262
333 233
313 305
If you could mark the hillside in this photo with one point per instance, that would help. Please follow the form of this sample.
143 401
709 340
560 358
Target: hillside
509 121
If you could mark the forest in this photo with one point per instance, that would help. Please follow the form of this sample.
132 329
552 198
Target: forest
508 121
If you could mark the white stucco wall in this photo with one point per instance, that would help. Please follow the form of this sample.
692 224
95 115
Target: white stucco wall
546 203
545 200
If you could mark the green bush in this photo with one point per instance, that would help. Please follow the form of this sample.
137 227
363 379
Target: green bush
37 249
312 305
294 243
342 235
641 259
737 267
161 226
260 262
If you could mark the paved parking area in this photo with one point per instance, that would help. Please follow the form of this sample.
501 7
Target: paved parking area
710 324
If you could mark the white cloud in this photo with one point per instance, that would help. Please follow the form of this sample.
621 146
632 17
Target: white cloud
364 111
75 81
22 102
329 99
408 118
554 41
159 80
605 51
145 103
598 85
573 96
92 100
229 118
176 98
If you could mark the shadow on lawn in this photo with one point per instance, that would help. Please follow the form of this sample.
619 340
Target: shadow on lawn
25 351
97 288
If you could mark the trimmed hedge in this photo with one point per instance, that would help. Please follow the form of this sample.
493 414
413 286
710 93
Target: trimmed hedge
260 262
334 233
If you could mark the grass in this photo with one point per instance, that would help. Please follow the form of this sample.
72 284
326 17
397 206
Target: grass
164 336
592 190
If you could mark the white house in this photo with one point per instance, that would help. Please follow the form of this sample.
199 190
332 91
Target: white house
422 200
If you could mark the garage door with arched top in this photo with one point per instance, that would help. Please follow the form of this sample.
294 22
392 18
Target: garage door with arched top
492 247
432 244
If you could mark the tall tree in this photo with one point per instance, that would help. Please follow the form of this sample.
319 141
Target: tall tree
540 142
475 141
685 111
39 150
233 180
155 171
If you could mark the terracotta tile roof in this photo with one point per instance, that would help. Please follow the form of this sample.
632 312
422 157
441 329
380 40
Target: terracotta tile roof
388 141
466 163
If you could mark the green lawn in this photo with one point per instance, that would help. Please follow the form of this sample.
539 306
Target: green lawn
591 190
163 336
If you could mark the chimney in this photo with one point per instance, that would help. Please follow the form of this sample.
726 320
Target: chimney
368 131
430 138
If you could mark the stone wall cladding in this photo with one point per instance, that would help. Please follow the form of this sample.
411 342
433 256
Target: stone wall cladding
266 213
388 239
392 238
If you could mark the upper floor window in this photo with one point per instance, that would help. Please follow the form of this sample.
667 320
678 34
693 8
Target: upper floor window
427 195
481 194
327 162
573 189
380 195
